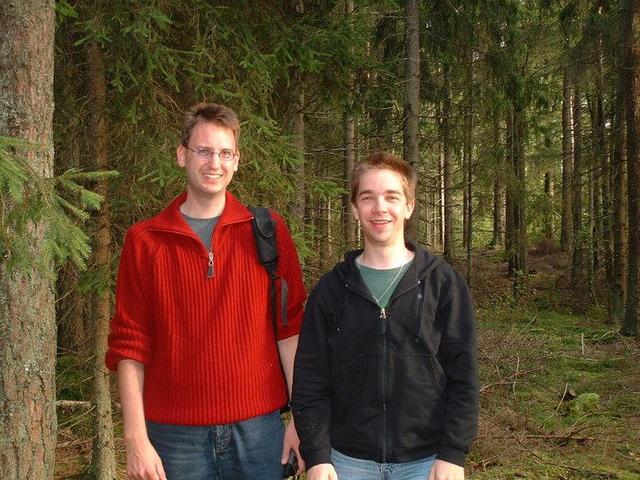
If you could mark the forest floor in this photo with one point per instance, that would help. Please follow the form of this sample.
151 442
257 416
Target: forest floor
560 388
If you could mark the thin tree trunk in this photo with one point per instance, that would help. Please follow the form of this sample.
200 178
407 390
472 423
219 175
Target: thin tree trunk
548 217
410 126
468 162
498 186
632 110
103 454
298 207
619 288
516 195
27 318
349 145
566 232
445 130
604 209
519 207
577 265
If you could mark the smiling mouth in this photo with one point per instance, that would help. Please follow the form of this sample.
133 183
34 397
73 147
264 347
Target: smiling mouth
212 176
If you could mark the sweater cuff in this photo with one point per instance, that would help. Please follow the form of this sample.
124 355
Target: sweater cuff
317 457
451 454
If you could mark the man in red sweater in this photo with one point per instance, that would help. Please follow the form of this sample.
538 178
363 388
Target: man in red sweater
192 339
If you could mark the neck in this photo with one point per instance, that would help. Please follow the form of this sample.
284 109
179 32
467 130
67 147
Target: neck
197 208
385 257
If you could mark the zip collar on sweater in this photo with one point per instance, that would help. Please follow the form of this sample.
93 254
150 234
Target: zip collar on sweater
170 219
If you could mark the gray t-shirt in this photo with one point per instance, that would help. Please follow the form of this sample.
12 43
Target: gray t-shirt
203 227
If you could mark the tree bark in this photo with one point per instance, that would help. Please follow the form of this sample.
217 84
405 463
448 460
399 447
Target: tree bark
604 207
27 318
411 115
468 162
566 232
498 188
103 461
631 75
516 195
445 131
349 145
577 264
619 286
548 193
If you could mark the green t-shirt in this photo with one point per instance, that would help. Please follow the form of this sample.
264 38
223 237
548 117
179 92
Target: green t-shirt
382 283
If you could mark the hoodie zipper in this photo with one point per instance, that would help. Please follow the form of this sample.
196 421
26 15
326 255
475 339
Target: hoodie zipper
383 381
384 361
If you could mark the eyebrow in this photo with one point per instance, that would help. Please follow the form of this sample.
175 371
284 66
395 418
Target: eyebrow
386 192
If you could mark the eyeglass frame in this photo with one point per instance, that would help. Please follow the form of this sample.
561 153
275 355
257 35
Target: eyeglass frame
212 153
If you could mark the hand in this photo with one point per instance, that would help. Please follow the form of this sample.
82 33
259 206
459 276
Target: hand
322 471
143 462
290 443
442 470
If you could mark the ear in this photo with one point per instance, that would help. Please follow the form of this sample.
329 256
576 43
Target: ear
410 206
354 211
236 162
181 153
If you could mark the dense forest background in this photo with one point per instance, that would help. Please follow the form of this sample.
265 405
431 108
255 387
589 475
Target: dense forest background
521 117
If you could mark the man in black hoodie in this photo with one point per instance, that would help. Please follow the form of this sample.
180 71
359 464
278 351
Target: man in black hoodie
385 380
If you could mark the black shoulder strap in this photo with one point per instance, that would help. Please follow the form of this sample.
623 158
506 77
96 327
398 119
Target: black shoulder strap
264 232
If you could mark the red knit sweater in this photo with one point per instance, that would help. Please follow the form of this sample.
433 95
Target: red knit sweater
207 344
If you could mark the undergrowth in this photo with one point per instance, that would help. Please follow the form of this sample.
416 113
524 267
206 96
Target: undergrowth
560 388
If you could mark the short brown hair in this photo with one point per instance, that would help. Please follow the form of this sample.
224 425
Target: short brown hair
220 115
385 160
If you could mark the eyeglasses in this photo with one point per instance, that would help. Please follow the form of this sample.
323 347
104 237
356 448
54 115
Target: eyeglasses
226 155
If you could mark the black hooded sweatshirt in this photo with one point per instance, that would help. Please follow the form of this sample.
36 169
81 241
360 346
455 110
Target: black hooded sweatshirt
389 385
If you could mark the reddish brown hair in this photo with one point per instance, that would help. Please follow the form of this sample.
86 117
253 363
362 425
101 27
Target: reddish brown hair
385 160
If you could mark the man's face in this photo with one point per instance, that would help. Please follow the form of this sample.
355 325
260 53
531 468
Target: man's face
207 179
382 207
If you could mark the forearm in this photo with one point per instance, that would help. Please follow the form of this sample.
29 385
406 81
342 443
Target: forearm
287 349
130 384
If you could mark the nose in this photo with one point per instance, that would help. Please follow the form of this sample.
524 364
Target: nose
380 205
214 159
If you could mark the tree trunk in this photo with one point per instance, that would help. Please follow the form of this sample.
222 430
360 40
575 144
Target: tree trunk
468 162
349 145
577 265
445 132
27 318
516 195
619 286
604 208
498 188
410 123
103 455
297 208
548 216
509 237
566 232
632 110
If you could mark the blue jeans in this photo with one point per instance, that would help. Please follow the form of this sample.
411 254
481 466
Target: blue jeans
349 468
244 450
